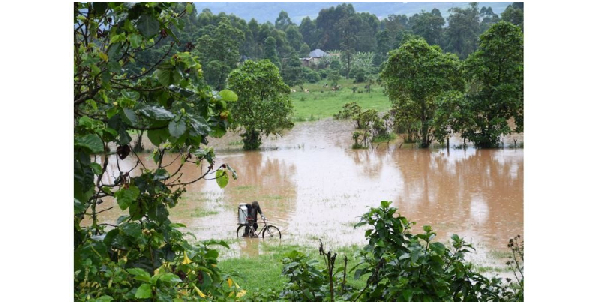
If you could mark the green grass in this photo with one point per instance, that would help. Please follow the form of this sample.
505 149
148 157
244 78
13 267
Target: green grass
486 269
257 274
387 138
316 105
200 212
236 143
500 254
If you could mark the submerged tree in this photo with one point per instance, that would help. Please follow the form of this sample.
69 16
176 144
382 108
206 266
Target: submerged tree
414 75
495 72
264 106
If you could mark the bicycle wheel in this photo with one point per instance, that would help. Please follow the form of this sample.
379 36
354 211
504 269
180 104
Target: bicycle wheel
240 230
271 232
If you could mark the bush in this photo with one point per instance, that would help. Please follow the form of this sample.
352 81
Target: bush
323 73
359 75
310 75
400 266
307 282
411 267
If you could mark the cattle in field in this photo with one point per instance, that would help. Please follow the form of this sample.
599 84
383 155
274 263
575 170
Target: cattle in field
293 90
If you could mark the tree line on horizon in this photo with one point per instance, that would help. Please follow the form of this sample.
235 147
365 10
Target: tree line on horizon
223 41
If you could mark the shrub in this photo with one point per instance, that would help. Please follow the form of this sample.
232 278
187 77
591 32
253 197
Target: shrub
411 267
307 282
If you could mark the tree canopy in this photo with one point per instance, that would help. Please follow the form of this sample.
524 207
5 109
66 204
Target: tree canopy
263 106
496 73
415 74
168 99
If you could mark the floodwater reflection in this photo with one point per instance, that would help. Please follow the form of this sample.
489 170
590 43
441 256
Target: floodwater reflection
313 186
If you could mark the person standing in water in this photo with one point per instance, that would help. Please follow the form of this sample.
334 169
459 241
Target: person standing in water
253 211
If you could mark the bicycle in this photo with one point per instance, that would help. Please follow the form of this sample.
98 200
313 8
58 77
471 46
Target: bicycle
270 231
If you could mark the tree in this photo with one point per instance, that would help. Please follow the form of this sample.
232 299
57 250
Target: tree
428 26
463 29
488 18
219 52
395 25
308 29
283 21
294 37
496 73
304 50
168 100
514 14
264 106
384 45
333 76
291 71
271 52
417 73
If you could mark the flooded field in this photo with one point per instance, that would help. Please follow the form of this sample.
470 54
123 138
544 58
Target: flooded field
312 185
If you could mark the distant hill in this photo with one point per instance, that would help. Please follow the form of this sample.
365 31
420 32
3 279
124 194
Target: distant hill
268 11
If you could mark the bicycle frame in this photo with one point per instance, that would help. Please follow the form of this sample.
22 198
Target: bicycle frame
250 225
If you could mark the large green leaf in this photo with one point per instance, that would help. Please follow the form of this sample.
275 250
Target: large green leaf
228 95
199 127
165 76
131 116
158 136
91 142
148 25
177 128
144 291
157 113
169 278
127 195
132 229
135 40
222 178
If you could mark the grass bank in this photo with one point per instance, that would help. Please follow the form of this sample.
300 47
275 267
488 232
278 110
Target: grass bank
321 102
260 273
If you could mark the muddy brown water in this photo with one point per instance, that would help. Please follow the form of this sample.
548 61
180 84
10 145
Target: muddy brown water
312 185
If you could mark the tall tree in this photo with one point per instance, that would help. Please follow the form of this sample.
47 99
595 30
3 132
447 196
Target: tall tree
514 14
417 73
496 72
263 106
463 29
384 45
304 50
488 18
308 29
291 70
294 37
271 51
395 25
283 21
428 25
220 52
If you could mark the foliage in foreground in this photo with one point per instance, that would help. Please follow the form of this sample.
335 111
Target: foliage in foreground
144 256
399 266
